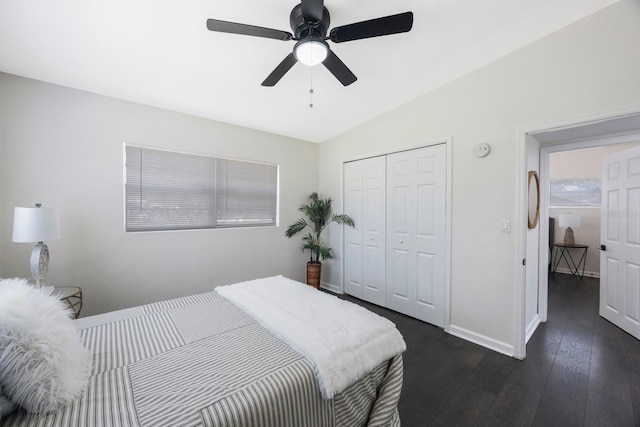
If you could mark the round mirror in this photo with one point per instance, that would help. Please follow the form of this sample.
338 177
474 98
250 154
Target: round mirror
534 199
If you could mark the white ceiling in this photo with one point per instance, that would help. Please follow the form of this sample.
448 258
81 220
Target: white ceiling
159 53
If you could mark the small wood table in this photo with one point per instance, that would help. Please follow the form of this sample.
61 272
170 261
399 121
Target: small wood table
562 251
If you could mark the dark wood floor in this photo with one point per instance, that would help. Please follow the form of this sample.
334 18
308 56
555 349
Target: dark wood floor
580 370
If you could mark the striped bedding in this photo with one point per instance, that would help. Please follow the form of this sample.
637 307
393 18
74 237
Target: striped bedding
201 361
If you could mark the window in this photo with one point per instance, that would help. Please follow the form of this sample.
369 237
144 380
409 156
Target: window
576 192
165 190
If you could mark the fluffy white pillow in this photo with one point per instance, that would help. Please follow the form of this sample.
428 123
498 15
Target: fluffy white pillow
43 364
6 407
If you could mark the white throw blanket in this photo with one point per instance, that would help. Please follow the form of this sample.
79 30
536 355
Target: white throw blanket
342 340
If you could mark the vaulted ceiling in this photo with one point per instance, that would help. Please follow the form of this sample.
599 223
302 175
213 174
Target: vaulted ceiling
160 53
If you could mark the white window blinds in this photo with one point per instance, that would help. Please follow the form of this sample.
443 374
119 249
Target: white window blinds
166 190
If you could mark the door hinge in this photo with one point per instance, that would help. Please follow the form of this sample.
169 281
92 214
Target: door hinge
524 261
603 247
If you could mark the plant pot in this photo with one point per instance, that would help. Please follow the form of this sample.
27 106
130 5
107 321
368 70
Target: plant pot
314 268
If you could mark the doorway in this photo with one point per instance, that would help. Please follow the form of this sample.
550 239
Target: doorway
536 147
575 188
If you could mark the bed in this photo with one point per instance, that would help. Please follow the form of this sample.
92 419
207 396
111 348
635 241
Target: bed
267 352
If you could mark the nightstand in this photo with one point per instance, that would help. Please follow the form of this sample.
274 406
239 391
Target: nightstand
72 295
563 252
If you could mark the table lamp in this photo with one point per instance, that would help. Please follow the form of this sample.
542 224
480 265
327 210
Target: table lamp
35 225
571 222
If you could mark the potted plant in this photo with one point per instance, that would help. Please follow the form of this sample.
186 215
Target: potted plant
317 216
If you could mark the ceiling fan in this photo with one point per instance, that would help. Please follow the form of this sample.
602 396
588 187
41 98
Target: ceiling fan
310 21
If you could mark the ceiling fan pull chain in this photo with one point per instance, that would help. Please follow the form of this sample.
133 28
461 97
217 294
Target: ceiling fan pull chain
311 88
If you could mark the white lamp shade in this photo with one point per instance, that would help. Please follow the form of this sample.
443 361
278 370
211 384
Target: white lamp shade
311 52
35 224
568 220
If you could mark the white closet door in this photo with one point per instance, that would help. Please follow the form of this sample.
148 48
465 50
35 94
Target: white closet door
374 242
353 196
416 233
365 243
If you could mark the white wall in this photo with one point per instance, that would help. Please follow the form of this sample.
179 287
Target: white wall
64 148
588 68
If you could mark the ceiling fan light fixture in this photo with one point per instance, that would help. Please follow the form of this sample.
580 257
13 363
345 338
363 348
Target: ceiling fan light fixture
311 52
310 21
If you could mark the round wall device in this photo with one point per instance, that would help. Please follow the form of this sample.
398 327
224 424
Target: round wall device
481 150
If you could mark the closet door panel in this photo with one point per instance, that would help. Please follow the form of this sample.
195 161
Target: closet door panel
430 235
374 238
425 279
353 272
365 247
401 206
416 215
427 207
426 257
399 262
353 237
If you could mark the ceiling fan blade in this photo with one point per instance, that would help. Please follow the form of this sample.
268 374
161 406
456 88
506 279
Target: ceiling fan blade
247 30
339 70
392 24
282 68
312 10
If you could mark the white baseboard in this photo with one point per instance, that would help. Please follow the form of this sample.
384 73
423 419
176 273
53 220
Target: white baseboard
482 340
595 274
331 287
531 327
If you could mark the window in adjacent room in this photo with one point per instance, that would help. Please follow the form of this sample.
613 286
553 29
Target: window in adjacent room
166 190
575 192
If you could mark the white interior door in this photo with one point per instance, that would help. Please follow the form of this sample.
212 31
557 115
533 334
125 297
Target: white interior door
365 243
620 237
416 233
